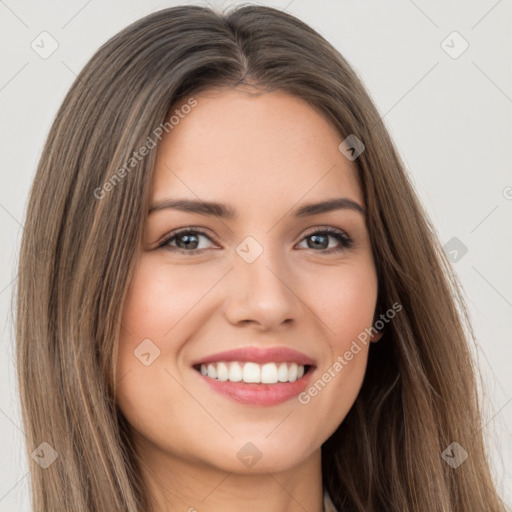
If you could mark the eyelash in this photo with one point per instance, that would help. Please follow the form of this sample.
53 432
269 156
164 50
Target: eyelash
345 241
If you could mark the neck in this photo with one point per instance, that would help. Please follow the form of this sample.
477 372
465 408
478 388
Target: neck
177 484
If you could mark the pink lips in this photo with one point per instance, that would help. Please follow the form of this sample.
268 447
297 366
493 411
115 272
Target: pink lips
259 355
257 393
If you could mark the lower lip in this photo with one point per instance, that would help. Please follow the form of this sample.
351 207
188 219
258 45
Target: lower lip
259 394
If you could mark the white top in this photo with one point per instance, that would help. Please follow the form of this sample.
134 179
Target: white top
328 504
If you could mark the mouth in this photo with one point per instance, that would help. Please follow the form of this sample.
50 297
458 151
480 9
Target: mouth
251 372
255 376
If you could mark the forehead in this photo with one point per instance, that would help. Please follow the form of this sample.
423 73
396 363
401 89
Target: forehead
248 148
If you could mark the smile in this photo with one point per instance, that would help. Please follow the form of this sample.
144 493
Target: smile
256 376
251 372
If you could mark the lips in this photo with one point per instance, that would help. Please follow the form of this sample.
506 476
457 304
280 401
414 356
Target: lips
259 355
257 376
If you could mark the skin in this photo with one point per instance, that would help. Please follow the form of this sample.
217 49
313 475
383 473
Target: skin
264 155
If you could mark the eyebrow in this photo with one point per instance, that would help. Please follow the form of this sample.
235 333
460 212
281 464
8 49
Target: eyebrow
226 212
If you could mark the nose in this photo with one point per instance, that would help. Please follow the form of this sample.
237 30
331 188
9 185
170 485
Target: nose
262 292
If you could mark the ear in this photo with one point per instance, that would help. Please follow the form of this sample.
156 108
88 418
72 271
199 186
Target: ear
376 337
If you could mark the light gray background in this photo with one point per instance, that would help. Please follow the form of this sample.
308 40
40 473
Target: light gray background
450 119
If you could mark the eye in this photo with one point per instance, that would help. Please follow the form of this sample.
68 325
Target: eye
320 240
186 241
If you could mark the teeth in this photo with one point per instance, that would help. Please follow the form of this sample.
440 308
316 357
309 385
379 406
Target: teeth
282 373
292 372
235 373
212 371
251 372
222 372
268 373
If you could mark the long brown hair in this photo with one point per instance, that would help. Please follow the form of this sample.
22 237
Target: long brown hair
82 236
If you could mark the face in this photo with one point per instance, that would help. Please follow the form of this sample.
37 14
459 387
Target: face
237 328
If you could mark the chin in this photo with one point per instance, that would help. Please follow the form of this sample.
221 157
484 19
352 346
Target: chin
249 454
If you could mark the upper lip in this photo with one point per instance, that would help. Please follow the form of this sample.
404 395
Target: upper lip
259 355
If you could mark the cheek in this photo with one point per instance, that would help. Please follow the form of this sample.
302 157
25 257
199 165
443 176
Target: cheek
345 301
156 306
161 295
157 300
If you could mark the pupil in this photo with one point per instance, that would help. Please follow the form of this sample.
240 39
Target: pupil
315 239
188 242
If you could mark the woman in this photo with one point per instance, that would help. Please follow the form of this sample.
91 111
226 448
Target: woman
241 304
